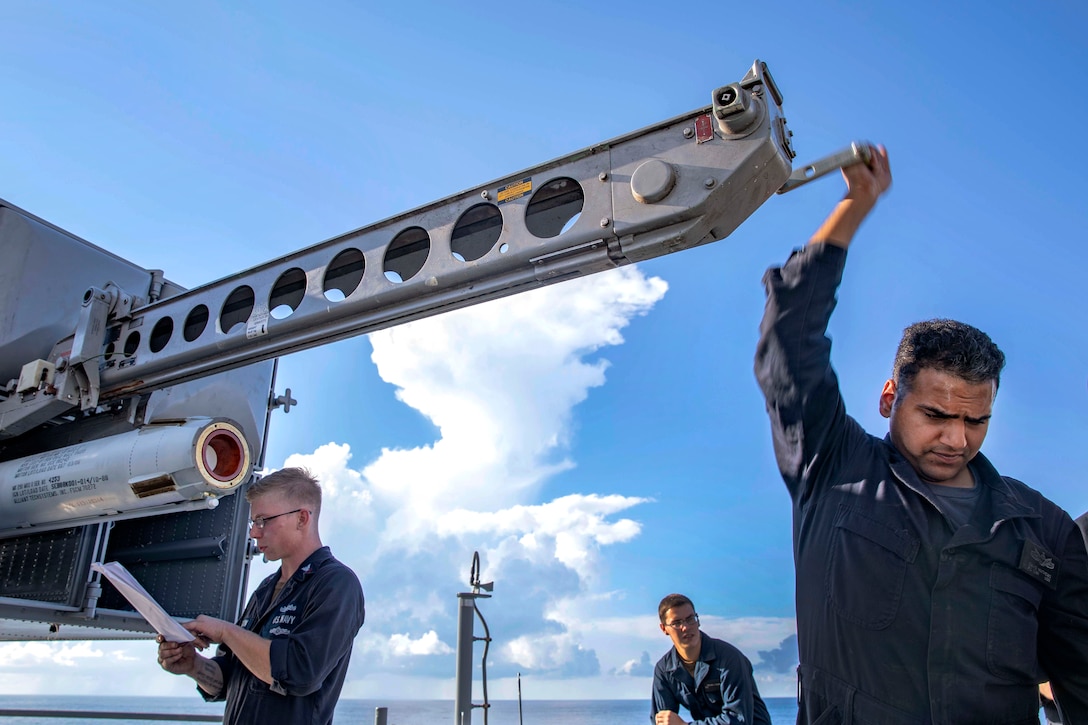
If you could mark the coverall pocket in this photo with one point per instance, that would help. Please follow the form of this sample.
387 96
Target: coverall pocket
712 693
867 568
815 707
830 716
1013 626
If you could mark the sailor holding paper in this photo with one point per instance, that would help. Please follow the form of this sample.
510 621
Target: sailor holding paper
286 659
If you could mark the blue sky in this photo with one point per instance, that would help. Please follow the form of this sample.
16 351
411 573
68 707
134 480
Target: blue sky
601 443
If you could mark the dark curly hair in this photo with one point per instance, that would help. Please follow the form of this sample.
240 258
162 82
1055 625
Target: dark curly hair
948 346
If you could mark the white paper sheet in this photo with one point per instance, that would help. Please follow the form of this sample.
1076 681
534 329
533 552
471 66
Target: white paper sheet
144 603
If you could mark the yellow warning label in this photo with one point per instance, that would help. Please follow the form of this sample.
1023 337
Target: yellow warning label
516 190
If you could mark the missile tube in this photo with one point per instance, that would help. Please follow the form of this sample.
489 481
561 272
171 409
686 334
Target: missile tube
158 465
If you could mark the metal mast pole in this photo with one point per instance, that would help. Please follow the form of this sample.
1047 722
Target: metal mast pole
466 611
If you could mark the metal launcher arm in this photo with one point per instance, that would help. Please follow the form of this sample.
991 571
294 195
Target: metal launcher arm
678 184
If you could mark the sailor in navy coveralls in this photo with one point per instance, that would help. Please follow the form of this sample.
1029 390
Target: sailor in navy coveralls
285 660
710 677
930 589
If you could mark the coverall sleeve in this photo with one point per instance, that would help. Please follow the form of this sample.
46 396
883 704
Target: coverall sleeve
331 618
662 697
809 424
1063 632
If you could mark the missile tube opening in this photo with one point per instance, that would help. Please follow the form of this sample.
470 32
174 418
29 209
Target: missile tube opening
223 456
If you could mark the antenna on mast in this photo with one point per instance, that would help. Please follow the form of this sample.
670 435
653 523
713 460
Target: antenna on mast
466 610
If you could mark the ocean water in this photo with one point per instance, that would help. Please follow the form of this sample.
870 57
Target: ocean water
348 712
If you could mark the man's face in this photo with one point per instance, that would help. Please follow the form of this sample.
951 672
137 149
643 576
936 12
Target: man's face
939 423
681 625
278 535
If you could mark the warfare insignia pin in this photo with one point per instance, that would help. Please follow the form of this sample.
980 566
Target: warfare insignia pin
1037 562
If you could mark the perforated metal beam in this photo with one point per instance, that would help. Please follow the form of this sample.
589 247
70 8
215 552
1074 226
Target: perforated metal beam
675 185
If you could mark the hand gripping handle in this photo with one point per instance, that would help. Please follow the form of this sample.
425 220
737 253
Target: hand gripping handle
856 153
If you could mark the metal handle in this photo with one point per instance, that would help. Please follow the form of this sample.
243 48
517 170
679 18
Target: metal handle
857 153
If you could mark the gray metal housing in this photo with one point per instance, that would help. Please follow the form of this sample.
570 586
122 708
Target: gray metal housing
192 558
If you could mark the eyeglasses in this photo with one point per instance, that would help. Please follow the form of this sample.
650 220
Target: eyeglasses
259 522
692 621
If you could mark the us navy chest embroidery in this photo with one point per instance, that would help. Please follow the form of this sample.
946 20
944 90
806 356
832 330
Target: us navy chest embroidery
283 622
1038 563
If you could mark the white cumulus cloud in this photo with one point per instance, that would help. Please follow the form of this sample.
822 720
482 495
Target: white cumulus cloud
428 644
33 654
569 529
499 381
641 667
558 655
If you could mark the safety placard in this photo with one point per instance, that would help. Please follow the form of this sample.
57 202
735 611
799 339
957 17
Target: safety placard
515 190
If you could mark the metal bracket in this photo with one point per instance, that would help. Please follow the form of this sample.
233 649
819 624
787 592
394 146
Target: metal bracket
87 345
857 153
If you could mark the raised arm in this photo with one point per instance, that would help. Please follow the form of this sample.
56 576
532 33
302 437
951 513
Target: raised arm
793 357
864 185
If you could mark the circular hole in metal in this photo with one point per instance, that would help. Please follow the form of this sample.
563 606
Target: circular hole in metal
504 248
111 349
287 293
195 322
406 254
223 455
132 342
160 334
343 275
554 207
237 309
476 232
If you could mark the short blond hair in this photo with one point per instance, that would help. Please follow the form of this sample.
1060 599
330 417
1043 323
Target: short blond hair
296 484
